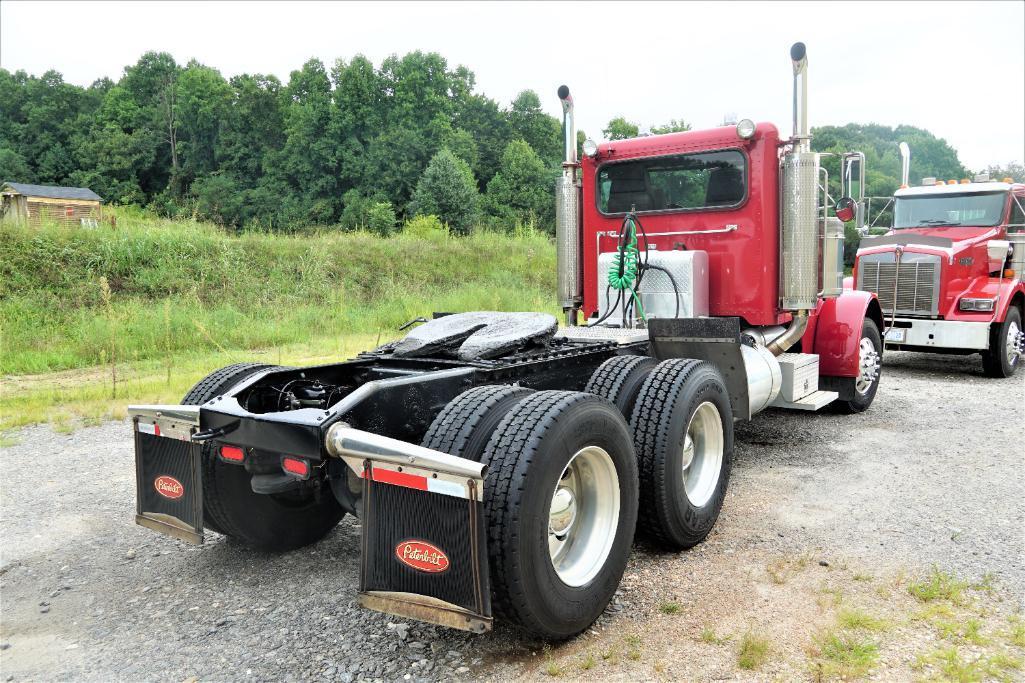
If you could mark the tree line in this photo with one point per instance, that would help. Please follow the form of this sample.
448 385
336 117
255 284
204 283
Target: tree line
356 145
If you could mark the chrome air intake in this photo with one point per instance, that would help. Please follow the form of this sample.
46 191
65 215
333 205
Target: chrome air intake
569 279
799 283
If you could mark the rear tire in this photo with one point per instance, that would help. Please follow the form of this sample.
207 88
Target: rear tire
561 505
466 423
862 389
1004 357
683 432
266 522
619 380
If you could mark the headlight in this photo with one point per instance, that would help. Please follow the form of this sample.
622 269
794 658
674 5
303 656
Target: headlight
746 129
590 147
976 304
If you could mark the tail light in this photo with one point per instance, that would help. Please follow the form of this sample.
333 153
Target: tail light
233 454
297 467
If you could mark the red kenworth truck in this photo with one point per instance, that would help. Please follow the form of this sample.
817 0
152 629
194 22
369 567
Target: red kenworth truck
500 465
949 274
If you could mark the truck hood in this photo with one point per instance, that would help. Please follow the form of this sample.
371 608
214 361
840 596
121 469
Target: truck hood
949 240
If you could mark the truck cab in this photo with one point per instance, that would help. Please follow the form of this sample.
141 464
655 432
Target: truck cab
949 272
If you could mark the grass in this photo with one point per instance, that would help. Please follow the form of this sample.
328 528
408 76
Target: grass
633 647
753 651
552 667
844 655
709 636
588 662
155 301
950 663
1016 634
856 619
669 607
938 585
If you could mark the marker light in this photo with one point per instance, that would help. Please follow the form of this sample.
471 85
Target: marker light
951 182
232 454
590 147
965 181
297 467
1008 180
745 129
939 182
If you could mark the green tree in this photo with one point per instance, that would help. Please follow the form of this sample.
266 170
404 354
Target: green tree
522 190
447 190
1013 170
381 218
620 129
674 126
13 167
530 123
204 100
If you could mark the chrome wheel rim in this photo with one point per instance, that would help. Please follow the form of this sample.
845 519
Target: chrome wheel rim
702 454
1015 343
583 516
868 366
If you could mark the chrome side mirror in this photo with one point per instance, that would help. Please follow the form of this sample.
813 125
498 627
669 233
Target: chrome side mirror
852 185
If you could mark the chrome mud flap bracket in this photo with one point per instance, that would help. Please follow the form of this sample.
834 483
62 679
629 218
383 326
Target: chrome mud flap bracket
423 553
169 479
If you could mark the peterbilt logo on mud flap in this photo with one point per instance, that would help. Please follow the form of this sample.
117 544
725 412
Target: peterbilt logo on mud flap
169 487
422 556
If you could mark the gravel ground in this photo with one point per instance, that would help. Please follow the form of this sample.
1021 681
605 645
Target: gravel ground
931 474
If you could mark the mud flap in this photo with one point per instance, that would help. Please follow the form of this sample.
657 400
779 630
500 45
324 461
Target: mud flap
423 554
169 481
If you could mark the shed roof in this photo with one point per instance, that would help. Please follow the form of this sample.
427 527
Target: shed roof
53 191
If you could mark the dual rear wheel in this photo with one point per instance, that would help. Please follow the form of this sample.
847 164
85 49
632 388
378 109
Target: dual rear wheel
570 479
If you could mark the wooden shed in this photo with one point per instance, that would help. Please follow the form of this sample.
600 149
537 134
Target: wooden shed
36 204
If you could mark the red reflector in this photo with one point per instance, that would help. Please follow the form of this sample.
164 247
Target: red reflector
410 481
233 453
296 466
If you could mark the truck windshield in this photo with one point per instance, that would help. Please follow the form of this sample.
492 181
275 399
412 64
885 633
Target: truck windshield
673 183
977 209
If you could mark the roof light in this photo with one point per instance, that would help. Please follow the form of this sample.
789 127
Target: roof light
590 148
939 182
904 186
297 467
746 129
965 181
233 454
1008 180
951 182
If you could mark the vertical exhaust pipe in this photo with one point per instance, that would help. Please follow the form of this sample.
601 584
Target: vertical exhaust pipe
567 218
802 133
799 243
905 163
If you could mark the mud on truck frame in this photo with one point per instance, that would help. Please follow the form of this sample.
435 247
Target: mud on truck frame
500 464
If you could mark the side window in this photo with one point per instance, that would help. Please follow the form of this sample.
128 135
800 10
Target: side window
682 182
1017 215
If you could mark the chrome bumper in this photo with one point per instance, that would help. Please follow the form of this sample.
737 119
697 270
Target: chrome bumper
942 334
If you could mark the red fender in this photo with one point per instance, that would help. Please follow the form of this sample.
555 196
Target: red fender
836 332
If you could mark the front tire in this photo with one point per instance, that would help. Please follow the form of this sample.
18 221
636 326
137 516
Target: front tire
272 523
862 389
683 432
1005 346
561 504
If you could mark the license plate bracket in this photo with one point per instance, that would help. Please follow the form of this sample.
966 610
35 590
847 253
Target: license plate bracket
169 484
897 335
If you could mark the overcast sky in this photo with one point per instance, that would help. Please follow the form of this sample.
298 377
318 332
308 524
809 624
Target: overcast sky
955 68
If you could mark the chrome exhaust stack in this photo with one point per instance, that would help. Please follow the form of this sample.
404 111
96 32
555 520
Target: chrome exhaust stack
905 163
799 244
567 218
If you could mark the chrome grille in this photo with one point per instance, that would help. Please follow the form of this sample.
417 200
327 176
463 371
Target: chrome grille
917 287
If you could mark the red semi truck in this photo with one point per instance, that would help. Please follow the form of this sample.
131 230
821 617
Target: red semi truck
500 465
949 273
